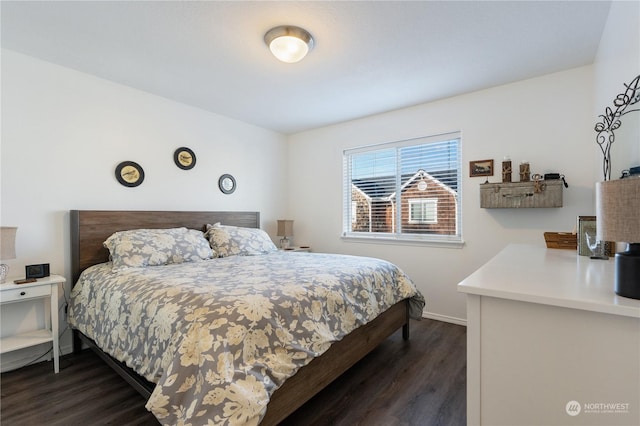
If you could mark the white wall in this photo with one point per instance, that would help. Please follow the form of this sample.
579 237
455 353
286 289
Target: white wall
64 132
617 63
547 121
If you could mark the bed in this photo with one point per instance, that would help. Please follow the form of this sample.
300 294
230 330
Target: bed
90 229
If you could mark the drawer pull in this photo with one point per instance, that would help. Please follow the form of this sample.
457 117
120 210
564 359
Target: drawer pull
22 293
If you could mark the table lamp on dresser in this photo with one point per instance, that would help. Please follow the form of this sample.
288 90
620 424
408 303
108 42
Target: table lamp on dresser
7 249
618 219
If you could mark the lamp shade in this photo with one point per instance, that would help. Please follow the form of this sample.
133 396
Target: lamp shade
618 210
285 228
8 242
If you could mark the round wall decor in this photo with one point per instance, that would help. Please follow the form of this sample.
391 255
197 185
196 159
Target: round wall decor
184 158
129 173
227 183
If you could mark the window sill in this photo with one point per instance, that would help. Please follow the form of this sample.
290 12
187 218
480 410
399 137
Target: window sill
402 241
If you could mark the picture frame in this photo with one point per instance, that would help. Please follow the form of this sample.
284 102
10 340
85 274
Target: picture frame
588 224
129 173
481 168
585 224
184 158
227 183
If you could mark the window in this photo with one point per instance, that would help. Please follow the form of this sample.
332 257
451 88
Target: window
423 211
407 190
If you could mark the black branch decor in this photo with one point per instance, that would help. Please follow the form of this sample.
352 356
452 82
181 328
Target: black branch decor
610 121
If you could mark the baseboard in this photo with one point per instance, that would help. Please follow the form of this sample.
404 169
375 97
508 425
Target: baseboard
444 318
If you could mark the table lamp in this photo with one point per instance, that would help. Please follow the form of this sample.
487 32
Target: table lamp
285 229
7 248
618 219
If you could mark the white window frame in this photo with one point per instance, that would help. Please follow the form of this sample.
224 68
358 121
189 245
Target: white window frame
398 237
428 205
354 212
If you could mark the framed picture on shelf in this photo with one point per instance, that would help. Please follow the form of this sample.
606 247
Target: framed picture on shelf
587 225
481 168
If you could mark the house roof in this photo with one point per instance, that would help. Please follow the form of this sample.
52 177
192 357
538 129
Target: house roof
420 175
383 187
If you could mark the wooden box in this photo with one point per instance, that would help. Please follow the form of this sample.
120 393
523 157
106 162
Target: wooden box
561 240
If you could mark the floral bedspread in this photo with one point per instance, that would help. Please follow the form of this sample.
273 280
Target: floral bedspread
220 336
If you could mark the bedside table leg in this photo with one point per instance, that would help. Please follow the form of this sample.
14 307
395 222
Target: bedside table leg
54 327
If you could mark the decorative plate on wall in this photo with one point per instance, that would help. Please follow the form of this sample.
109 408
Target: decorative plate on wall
129 173
227 183
184 158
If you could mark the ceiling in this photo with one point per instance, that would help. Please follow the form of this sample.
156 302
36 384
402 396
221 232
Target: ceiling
369 56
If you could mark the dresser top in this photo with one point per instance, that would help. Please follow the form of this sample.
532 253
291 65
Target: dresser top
553 277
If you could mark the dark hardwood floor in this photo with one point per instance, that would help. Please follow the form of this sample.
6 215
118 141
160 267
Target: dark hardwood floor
418 382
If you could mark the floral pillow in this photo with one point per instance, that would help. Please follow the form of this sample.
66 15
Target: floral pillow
237 241
153 247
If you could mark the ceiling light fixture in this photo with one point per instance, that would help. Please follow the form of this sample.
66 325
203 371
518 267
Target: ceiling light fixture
288 43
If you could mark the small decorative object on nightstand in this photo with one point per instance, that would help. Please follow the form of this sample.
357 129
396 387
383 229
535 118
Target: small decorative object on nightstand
285 229
7 249
43 288
305 249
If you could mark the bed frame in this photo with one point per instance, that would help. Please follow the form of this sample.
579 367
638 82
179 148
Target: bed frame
90 228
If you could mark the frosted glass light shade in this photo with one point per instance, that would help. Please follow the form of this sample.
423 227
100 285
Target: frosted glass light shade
289 49
288 43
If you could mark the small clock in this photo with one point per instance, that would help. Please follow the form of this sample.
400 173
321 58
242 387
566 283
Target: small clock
184 158
227 184
129 173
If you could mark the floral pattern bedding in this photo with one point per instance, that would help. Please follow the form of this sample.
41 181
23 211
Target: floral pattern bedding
219 336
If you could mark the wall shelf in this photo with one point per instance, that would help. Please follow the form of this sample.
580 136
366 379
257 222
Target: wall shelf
513 195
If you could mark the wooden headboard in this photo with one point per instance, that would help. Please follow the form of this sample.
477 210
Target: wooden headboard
90 228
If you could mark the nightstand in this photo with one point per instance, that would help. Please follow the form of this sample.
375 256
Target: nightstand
298 248
43 288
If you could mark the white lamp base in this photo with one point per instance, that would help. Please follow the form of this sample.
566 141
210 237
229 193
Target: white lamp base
285 243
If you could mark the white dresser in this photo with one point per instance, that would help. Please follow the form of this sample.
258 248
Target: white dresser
549 342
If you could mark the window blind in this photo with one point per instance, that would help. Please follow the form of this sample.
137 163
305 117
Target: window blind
405 190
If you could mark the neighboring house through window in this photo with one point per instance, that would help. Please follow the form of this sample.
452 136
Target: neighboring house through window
423 210
407 190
